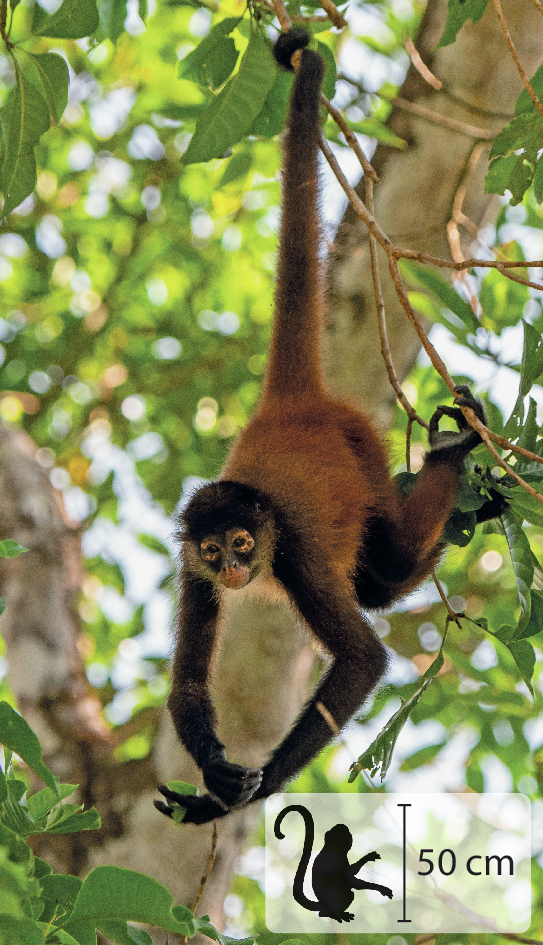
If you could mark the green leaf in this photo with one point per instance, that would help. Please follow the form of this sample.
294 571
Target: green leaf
78 821
122 934
512 173
112 15
524 131
238 167
64 938
24 119
524 656
330 76
535 623
233 111
10 548
532 358
459 528
17 735
72 20
20 931
214 59
526 506
180 787
205 927
82 933
538 182
524 102
380 751
522 559
528 436
445 293
459 11
55 81
271 118
61 889
42 802
110 892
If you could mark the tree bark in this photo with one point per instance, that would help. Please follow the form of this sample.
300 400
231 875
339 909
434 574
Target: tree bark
265 663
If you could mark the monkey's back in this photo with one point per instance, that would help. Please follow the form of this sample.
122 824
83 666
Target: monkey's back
321 462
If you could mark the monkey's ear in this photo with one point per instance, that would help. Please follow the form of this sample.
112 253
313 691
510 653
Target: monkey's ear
288 44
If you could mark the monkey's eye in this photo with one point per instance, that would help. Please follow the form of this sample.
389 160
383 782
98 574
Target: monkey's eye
209 551
243 542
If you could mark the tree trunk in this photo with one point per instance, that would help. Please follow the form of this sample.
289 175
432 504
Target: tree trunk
264 668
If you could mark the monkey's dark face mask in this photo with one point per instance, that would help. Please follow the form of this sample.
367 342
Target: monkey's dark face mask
228 534
230 556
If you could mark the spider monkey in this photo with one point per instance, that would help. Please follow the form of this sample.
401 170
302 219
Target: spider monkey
305 503
333 877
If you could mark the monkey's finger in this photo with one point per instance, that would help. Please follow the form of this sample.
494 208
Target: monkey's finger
163 808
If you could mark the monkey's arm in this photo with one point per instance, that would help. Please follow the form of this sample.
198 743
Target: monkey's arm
359 658
368 858
190 702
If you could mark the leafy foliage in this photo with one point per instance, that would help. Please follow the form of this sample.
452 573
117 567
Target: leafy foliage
515 157
39 907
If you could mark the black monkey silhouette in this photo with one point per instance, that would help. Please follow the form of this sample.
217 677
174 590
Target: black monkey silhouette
333 877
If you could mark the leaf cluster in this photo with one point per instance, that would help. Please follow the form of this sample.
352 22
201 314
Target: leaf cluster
39 907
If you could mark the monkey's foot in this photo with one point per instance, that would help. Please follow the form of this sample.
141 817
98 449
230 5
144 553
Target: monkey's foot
467 438
338 916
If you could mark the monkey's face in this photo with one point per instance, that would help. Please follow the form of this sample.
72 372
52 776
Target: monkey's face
230 555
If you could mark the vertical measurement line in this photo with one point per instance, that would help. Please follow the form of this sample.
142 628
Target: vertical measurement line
404 842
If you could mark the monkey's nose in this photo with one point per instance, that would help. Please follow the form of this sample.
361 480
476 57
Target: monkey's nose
234 576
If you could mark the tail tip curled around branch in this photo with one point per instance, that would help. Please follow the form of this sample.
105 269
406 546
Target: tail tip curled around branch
288 44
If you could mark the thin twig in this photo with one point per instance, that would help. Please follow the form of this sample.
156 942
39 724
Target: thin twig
334 15
282 15
457 216
421 66
452 615
511 275
538 5
410 312
381 323
473 131
205 877
516 59
350 138
296 18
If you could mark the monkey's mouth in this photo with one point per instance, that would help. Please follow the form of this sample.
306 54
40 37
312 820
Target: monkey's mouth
234 578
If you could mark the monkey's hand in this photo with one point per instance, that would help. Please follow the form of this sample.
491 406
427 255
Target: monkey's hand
199 810
456 444
233 785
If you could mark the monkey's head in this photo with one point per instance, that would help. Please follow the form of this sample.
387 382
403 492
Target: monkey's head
338 838
228 533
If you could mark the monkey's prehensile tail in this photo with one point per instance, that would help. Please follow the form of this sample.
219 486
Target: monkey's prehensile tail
298 885
294 360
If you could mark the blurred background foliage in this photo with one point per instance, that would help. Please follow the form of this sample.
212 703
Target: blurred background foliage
135 304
